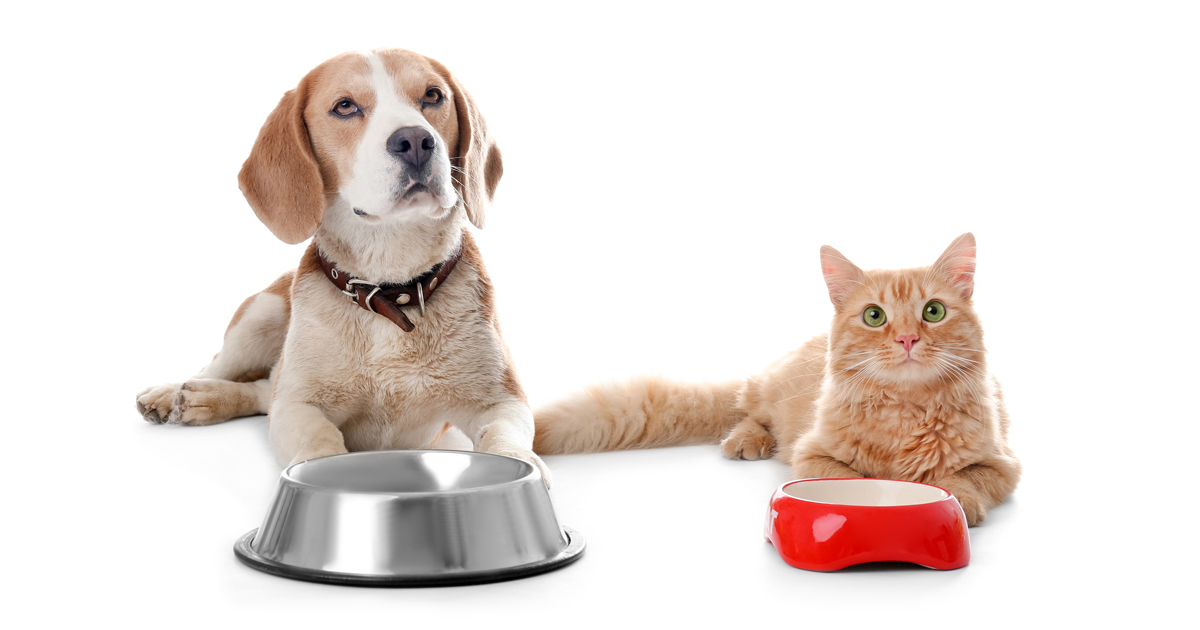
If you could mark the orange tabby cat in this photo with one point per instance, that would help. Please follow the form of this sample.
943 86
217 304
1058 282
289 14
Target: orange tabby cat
898 389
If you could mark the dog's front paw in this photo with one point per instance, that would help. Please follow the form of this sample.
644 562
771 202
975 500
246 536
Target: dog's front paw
203 401
519 453
154 403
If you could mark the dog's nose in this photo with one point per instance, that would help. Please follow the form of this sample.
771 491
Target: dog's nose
412 144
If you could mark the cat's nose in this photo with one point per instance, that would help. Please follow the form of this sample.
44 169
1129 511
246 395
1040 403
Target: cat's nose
908 341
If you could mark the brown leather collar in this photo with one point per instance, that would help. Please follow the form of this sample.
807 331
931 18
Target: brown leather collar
386 299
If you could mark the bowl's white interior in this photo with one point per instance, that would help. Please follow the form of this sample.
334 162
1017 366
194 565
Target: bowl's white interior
865 492
408 471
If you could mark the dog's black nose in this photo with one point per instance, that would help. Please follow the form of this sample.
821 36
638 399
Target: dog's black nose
412 144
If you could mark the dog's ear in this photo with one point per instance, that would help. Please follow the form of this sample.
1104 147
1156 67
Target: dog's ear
477 154
281 179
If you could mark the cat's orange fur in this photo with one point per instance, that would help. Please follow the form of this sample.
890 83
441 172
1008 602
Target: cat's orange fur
851 403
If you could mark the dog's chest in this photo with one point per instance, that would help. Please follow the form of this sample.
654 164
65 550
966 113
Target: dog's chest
444 362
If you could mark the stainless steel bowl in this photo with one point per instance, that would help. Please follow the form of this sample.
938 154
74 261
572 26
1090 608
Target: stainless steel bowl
410 518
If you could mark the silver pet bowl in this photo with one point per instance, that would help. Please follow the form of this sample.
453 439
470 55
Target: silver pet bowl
410 518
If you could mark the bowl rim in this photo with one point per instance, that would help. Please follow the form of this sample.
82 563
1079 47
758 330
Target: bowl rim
287 477
781 493
243 549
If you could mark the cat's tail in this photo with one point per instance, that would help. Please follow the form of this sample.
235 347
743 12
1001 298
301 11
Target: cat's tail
643 413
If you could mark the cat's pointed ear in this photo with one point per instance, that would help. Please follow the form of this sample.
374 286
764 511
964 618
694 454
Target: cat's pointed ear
957 264
841 275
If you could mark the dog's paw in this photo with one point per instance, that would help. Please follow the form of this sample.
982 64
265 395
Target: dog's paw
203 401
154 403
522 453
749 444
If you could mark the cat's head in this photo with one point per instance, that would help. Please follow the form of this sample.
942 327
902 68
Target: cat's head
907 326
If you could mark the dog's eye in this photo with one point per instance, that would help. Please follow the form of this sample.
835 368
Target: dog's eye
433 96
346 107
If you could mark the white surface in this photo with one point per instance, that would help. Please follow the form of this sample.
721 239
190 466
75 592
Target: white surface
656 160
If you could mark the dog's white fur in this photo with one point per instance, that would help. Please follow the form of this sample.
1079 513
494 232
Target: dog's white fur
335 377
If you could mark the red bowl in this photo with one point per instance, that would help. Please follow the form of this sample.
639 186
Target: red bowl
830 524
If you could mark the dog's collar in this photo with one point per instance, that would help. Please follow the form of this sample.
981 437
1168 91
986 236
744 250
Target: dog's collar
386 299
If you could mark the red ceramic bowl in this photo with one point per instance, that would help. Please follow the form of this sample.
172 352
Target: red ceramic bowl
830 524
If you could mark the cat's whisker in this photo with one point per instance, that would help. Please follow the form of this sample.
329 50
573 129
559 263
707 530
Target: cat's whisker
954 378
966 367
966 378
869 359
958 358
802 392
943 353
788 380
814 359
859 380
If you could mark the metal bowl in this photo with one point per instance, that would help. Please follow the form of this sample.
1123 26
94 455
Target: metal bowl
410 518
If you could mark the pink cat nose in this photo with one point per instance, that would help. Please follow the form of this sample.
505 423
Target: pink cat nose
908 341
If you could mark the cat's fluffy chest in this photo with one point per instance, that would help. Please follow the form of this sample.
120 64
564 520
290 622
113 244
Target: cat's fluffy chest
905 439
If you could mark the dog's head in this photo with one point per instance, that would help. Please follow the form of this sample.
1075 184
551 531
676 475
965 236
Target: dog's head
387 135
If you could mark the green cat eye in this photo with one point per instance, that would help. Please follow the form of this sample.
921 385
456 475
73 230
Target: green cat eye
934 311
874 316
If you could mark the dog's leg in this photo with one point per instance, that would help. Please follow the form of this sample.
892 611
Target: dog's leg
300 432
238 381
506 428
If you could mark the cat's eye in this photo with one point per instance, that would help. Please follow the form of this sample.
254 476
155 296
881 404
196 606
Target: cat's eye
874 316
934 311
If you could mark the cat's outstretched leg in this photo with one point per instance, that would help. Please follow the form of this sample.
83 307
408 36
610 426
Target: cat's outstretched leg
981 487
748 440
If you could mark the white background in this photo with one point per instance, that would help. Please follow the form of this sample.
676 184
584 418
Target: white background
670 174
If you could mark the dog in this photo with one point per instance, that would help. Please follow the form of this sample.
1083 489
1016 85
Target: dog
386 335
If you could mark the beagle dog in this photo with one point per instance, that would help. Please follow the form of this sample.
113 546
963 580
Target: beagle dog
386 334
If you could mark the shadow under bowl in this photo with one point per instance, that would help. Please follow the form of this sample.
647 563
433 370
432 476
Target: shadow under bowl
830 524
410 518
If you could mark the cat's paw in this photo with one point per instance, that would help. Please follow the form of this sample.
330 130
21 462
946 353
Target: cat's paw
809 466
972 507
154 403
748 444
972 503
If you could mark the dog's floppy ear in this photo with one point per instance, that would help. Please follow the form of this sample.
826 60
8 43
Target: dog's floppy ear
477 154
281 179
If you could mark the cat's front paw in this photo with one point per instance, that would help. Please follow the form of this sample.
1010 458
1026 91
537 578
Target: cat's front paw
807 466
972 503
748 443
972 507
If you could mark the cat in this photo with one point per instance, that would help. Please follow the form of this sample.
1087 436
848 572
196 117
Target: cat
897 389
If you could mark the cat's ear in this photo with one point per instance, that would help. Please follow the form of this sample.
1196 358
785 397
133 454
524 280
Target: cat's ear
841 275
957 264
